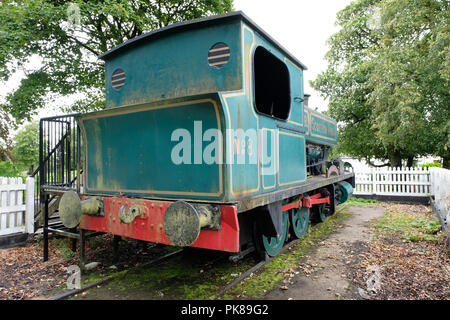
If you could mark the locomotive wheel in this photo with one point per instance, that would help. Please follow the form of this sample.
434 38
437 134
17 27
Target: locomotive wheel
271 246
319 213
299 219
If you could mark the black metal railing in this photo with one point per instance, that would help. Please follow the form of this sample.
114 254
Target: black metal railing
59 158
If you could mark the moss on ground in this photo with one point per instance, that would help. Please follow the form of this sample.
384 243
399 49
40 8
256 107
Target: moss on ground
195 277
360 202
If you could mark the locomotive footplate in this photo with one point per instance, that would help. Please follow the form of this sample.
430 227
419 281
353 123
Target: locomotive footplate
311 184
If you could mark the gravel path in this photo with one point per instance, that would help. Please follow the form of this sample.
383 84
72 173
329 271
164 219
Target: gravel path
325 275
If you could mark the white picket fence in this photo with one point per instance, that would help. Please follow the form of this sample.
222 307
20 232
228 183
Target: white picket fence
414 182
16 206
440 189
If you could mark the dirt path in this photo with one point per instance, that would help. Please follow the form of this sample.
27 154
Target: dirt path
326 269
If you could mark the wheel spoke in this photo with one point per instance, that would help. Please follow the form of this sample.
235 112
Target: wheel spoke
299 222
274 245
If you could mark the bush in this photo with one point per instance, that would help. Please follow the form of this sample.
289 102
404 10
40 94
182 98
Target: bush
9 169
26 147
432 164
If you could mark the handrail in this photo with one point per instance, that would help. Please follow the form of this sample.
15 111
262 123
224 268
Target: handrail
50 154
59 158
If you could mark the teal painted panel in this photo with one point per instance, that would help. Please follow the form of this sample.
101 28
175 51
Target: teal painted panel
296 75
247 178
269 158
242 146
131 150
321 129
292 160
175 65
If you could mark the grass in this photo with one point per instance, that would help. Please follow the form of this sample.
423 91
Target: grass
195 277
360 202
64 245
411 226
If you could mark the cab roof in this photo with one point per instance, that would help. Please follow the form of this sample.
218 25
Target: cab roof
198 23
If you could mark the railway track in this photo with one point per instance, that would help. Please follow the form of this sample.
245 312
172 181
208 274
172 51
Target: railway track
108 279
244 275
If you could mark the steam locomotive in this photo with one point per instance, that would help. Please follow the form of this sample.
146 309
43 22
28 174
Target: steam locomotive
206 142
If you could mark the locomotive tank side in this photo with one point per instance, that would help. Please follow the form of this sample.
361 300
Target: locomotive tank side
320 129
151 150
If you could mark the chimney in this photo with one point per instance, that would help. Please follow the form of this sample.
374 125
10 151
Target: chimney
306 99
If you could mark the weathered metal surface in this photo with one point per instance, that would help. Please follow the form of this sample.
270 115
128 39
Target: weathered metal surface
321 129
332 171
150 225
346 190
311 184
307 202
133 150
183 221
129 149
128 214
92 206
174 65
198 23
71 208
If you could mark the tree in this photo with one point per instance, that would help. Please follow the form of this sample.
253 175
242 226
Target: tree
8 169
68 36
388 80
5 141
26 147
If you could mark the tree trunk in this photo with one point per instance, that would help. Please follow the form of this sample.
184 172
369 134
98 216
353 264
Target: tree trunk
446 163
409 162
396 160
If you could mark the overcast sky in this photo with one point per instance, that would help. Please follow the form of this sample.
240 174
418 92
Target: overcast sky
300 26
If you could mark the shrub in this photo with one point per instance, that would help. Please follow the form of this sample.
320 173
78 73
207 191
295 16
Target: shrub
9 169
432 164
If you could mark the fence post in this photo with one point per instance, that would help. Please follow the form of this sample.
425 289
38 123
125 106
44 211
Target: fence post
432 171
373 180
29 213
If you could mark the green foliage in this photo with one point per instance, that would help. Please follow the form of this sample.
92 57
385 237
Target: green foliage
64 247
411 227
360 202
388 79
26 147
68 40
8 169
432 227
432 164
5 141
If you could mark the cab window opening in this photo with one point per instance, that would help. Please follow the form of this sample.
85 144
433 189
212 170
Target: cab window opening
271 85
